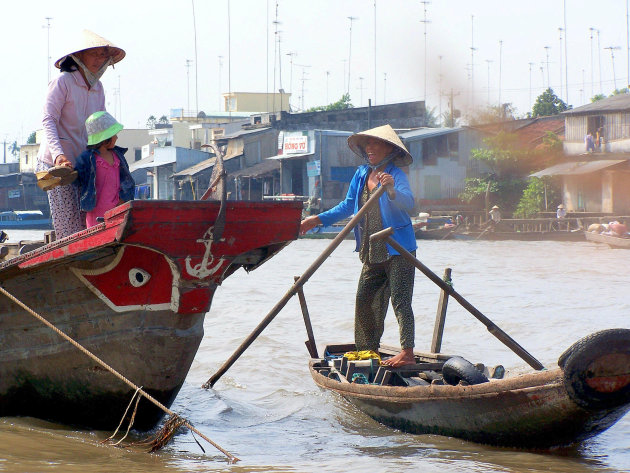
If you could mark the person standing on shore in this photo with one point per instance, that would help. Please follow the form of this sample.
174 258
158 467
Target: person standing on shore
385 274
72 97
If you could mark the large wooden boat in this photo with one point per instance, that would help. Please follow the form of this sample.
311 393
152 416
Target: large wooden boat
610 240
583 396
134 291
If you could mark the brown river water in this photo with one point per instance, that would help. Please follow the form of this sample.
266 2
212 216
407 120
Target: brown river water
267 411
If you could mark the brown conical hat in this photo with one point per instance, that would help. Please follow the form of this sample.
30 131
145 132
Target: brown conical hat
385 133
91 40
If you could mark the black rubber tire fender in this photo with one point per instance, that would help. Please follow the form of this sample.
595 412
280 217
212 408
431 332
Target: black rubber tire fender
458 369
580 362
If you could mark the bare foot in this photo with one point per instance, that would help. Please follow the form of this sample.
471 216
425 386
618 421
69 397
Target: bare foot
405 357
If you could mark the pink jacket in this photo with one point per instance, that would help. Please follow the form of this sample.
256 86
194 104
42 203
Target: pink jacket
69 103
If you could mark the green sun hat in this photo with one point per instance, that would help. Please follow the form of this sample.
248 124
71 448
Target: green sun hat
101 126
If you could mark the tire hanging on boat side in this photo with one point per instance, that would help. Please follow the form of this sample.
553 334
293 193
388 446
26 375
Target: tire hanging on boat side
458 369
597 369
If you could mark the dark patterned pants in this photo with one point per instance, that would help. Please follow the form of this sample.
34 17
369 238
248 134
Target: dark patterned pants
379 283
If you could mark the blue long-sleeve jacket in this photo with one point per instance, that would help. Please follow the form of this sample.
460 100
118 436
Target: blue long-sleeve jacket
86 168
394 212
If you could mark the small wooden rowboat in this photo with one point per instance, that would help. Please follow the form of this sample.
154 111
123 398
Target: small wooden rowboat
610 240
134 291
586 394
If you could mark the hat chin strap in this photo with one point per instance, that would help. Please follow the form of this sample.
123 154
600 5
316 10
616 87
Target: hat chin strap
390 157
92 77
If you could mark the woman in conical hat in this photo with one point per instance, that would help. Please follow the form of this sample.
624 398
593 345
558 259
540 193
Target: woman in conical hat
72 97
386 274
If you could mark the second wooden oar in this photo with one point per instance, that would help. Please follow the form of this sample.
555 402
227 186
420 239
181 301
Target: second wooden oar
293 290
490 325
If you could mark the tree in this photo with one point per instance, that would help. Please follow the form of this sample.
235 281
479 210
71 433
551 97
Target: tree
163 120
430 119
597 97
14 149
31 138
548 104
539 195
341 104
151 121
620 91
507 162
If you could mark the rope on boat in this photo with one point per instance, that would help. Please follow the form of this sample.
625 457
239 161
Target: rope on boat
174 418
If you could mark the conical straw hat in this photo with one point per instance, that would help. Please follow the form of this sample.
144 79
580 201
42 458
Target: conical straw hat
385 133
91 40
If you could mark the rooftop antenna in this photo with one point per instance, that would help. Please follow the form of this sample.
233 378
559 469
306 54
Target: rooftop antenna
500 68
291 55
196 62
592 68
220 74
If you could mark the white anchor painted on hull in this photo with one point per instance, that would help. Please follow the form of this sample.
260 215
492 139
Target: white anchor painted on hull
205 268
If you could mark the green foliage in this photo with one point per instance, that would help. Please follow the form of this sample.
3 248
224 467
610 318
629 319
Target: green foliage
151 121
14 149
548 104
341 104
597 97
539 195
430 119
31 138
552 142
508 162
620 91
163 120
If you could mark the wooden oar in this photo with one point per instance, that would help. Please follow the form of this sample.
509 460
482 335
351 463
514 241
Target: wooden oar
294 289
490 325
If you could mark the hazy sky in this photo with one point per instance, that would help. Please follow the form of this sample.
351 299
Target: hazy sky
158 36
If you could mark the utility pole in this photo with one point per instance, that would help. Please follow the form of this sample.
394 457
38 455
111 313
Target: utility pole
472 60
440 98
327 77
47 26
425 21
351 18
612 57
530 83
599 59
592 78
374 52
188 63
547 48
566 55
220 91
384 87
560 30
361 91
500 68
291 55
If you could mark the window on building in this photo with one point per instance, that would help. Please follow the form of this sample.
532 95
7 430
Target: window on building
137 154
429 152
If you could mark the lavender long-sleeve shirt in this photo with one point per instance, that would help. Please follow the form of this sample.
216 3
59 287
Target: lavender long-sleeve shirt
69 103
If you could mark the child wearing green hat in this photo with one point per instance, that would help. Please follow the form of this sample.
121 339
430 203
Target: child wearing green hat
104 178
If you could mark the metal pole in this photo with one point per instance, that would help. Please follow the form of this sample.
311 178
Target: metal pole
492 328
294 289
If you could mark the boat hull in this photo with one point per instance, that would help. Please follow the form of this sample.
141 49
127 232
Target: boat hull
612 241
538 410
133 291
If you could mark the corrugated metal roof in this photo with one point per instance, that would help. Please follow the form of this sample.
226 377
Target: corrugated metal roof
616 103
234 150
423 133
260 169
575 168
143 163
